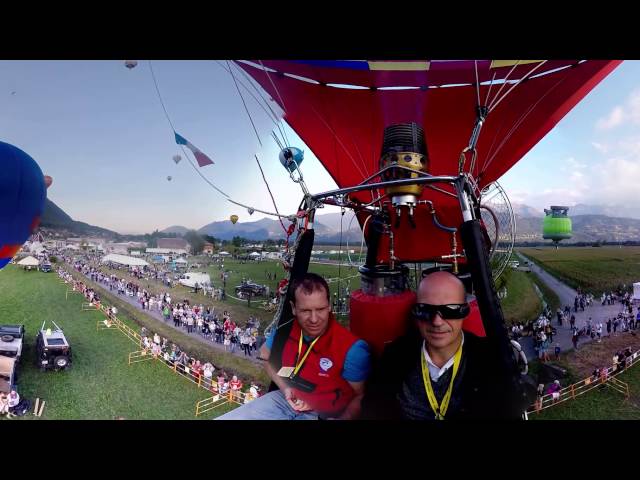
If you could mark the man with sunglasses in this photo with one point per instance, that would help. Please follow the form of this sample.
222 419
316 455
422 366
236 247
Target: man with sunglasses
435 371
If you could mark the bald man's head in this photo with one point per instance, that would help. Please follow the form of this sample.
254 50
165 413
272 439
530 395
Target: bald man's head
441 288
442 335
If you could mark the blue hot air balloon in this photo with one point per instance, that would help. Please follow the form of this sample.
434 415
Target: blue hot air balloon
22 198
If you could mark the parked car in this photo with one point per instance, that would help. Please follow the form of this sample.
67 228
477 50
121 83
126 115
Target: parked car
11 337
52 349
246 288
45 267
7 374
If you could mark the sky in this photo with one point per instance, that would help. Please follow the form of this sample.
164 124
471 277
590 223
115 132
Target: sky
100 131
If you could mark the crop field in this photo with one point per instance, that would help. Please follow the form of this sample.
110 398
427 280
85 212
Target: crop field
100 384
593 269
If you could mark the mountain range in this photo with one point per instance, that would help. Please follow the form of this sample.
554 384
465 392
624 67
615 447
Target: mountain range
591 223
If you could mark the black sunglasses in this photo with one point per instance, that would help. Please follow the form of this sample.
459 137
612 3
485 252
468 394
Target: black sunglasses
452 311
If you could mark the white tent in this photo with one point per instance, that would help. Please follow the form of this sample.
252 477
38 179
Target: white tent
29 262
254 254
180 260
224 254
123 260
636 291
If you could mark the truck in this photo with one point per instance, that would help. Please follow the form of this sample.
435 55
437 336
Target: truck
191 278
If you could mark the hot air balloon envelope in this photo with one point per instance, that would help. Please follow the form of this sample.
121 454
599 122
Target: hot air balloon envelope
130 64
22 198
234 219
177 158
291 157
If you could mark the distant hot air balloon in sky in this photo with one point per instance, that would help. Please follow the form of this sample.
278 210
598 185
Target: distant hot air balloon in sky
291 157
130 64
177 158
233 218
169 177
48 180
556 225
22 197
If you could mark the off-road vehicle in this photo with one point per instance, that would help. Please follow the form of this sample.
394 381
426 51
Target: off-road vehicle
52 349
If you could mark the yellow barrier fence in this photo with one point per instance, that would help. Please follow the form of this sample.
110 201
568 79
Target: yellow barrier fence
607 377
112 322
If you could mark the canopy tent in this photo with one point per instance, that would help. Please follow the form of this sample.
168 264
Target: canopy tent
180 260
224 254
254 254
29 262
124 260
636 291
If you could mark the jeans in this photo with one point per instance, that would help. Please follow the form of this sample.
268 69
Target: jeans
272 406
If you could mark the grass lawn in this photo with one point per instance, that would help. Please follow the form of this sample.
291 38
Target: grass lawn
100 384
232 364
522 303
255 271
593 269
600 404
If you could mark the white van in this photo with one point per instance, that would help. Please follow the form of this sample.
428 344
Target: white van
190 279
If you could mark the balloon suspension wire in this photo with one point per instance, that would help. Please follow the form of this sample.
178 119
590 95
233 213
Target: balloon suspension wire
246 109
491 155
271 194
522 79
166 114
284 108
364 226
277 140
340 256
270 113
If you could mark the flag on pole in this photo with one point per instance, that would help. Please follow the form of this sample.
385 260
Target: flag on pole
202 159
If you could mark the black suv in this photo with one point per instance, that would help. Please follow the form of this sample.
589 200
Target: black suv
52 349
249 287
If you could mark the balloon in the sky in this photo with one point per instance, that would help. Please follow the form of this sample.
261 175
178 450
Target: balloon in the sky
250 210
48 180
177 158
291 157
22 199
130 64
233 218
169 177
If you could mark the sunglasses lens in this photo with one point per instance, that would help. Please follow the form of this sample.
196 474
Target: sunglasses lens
426 312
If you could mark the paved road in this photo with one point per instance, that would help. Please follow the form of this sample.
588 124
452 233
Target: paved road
158 316
597 312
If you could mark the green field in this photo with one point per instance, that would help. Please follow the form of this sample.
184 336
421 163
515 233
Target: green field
100 383
593 269
600 404
522 303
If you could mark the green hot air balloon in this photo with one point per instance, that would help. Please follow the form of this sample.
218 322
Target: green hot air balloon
556 225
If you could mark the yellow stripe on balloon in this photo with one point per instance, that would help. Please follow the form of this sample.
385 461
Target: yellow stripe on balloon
420 66
511 63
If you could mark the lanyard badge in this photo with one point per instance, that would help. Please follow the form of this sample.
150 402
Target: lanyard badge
440 410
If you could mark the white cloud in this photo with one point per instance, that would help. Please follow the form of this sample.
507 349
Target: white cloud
601 147
629 112
612 120
618 181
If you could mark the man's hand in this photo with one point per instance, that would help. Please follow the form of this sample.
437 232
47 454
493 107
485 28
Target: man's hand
295 403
